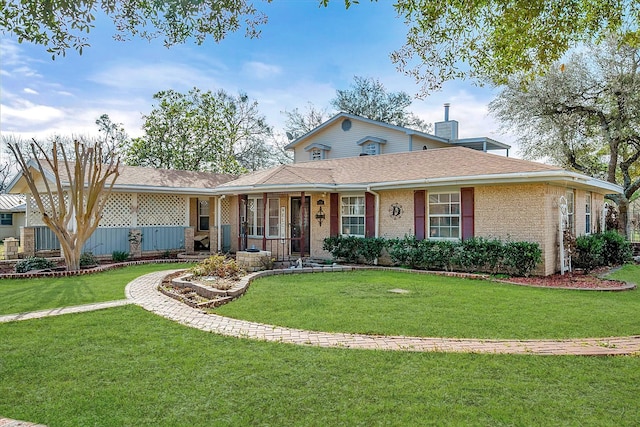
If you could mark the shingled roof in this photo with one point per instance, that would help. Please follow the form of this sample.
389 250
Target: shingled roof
142 179
441 166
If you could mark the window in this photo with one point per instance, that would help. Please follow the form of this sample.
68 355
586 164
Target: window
6 219
570 210
274 217
352 215
587 213
316 154
370 149
444 216
255 215
203 215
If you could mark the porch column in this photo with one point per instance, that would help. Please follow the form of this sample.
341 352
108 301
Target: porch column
242 217
264 221
302 225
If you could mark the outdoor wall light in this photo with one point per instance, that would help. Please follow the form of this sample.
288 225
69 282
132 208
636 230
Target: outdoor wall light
320 216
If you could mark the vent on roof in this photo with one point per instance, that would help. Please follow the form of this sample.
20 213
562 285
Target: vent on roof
346 125
424 147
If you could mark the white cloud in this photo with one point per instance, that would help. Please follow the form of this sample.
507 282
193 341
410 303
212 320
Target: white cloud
29 91
261 70
151 78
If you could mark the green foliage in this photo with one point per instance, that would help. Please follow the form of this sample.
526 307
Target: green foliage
521 258
588 252
351 249
33 263
219 266
476 254
617 250
66 25
490 40
602 249
88 259
119 256
202 131
369 98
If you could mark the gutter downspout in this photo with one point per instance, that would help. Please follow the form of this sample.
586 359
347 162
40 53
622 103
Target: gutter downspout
219 221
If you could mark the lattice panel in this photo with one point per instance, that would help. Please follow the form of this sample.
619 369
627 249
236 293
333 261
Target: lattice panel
225 211
161 209
35 216
117 211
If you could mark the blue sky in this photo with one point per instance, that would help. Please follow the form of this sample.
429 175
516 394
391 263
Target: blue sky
305 53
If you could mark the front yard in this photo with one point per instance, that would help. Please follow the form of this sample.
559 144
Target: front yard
126 366
436 306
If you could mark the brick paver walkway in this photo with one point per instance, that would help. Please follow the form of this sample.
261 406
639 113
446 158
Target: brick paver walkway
143 291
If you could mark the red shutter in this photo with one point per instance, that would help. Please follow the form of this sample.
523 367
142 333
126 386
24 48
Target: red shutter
369 215
419 214
334 210
466 208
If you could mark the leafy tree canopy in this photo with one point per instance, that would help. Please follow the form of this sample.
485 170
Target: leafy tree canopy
369 98
65 24
200 131
584 114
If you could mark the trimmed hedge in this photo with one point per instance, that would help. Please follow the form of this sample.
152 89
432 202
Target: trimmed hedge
600 250
476 254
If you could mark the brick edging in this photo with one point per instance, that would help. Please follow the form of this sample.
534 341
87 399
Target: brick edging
98 269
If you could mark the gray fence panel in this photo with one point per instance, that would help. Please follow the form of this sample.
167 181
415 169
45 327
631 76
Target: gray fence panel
162 238
104 241
226 238
45 239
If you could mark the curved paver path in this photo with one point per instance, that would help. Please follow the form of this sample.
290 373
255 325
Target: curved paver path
143 292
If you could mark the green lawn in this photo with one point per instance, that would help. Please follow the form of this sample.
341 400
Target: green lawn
360 302
20 295
124 366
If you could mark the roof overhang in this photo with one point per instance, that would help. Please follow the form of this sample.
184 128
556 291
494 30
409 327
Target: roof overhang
371 139
481 144
318 146
559 177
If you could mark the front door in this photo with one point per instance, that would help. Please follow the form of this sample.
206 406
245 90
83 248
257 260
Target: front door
300 224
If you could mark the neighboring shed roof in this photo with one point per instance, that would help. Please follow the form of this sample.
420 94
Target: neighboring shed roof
442 166
12 203
141 179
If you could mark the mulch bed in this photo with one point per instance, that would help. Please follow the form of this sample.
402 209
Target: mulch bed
573 280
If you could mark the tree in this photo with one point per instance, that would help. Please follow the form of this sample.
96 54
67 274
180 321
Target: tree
113 137
73 205
491 40
369 98
200 131
64 24
583 114
298 123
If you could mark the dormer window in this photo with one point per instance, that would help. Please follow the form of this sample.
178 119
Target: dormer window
371 145
371 149
317 151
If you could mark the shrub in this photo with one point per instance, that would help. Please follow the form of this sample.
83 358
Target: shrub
616 250
119 256
588 252
87 259
521 258
437 254
370 248
342 248
33 263
217 265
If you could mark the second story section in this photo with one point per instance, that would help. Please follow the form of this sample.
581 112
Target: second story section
348 135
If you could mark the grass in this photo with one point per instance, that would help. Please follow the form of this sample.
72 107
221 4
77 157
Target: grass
360 302
21 295
125 366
